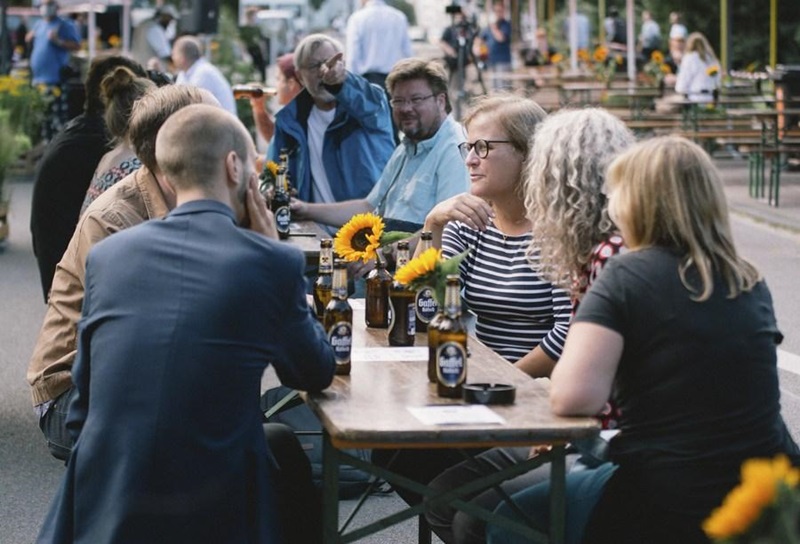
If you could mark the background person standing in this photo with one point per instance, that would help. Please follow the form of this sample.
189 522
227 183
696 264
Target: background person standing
497 41
150 44
377 37
53 39
194 69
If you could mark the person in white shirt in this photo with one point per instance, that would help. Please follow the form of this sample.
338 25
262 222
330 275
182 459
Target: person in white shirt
150 42
699 73
193 69
377 37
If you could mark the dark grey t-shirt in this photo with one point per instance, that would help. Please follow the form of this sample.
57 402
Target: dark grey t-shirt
697 384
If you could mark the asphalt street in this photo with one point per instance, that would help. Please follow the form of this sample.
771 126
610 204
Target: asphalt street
29 476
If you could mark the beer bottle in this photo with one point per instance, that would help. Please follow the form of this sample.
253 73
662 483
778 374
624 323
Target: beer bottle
283 160
377 296
338 319
451 351
251 91
324 281
425 303
402 317
280 205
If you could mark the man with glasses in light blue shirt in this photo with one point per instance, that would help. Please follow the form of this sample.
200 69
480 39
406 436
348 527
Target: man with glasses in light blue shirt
424 169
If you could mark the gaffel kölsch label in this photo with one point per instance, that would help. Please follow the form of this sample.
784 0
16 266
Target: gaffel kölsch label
426 304
340 337
282 218
451 363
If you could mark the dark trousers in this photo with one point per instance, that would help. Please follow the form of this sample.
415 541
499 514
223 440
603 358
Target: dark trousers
291 472
54 425
299 501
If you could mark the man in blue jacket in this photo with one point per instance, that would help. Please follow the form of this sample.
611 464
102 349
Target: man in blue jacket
337 131
181 317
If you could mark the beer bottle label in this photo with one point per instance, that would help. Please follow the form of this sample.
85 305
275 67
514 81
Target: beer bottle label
283 216
451 369
412 320
426 305
340 336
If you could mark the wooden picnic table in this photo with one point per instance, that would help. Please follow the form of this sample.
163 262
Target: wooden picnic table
371 408
306 235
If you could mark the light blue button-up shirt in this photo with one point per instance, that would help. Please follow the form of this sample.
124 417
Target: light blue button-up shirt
419 175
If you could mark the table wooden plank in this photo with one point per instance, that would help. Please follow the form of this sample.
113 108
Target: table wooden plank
369 408
306 235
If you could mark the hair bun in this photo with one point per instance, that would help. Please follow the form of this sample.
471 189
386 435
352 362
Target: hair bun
117 81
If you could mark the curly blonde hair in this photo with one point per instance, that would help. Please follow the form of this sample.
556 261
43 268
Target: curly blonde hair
563 190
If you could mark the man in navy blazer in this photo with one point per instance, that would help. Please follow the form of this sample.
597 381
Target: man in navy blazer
181 316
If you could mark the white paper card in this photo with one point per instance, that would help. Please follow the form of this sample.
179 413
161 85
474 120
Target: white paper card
472 414
357 303
390 354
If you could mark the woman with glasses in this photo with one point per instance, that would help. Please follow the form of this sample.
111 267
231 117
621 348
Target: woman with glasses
570 236
519 315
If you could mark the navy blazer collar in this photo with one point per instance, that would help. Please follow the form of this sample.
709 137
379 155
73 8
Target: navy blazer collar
203 206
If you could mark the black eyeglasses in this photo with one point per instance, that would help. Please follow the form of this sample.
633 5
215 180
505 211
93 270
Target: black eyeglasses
413 101
481 147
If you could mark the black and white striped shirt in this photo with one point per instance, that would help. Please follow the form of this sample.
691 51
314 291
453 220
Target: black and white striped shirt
516 309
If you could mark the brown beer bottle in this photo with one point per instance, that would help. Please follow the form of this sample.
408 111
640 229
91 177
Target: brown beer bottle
324 281
338 319
251 91
376 301
451 351
425 303
280 205
402 317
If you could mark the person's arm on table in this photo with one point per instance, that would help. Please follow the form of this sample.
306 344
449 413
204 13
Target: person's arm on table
469 209
581 381
334 213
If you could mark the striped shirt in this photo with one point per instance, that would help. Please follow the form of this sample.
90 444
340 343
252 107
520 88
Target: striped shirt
516 310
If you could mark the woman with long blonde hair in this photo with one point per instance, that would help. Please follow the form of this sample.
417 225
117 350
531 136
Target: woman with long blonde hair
682 331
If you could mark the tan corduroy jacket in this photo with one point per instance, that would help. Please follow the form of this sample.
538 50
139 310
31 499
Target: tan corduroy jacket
133 200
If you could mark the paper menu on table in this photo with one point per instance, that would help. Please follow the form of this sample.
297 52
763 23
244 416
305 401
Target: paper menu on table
456 414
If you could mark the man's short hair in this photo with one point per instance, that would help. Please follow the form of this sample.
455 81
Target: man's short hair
150 112
416 68
193 143
190 47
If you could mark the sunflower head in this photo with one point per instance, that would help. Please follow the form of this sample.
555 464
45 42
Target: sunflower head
419 269
359 238
429 269
712 70
764 481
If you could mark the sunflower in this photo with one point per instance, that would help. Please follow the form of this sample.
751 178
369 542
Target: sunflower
657 57
600 54
417 269
762 480
429 270
712 70
269 174
359 238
